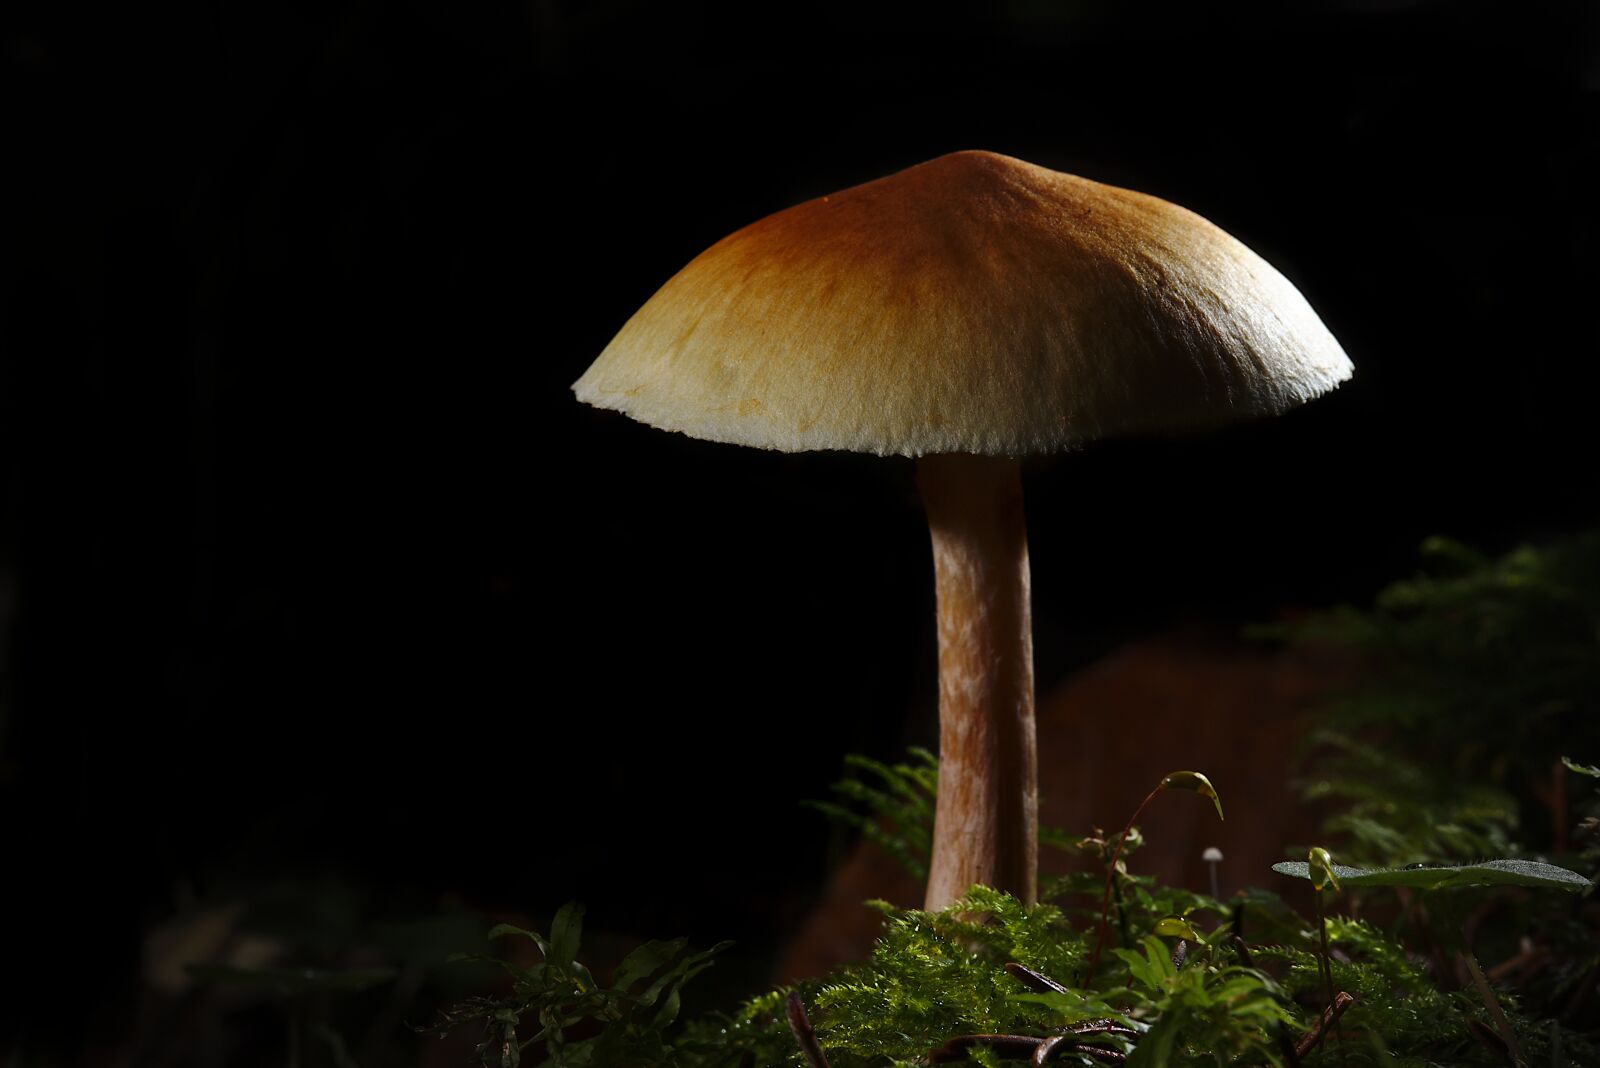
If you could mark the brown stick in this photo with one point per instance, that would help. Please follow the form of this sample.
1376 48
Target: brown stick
1034 980
986 823
800 1024
1046 1050
1041 1052
1330 1017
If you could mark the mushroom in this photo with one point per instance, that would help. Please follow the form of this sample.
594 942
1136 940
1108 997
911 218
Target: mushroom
969 311
1213 857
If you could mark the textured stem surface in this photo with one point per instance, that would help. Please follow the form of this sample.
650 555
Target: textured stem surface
986 825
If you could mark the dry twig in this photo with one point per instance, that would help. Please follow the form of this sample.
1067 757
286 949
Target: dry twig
1330 1017
800 1024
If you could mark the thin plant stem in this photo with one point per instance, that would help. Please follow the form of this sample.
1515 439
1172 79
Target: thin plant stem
1492 1003
1327 973
1111 875
1122 913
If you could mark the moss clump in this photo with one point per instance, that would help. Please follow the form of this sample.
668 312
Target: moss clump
1482 673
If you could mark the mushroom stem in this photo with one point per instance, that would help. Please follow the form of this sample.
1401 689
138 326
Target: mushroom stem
986 824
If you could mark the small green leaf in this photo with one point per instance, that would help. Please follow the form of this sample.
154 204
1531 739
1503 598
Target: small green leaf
669 1008
1074 1006
500 930
1153 967
1489 873
645 960
1193 780
1581 769
1159 1047
1139 967
1160 959
565 930
1319 864
681 972
1175 927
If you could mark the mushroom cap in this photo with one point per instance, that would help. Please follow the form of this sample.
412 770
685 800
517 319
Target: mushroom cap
974 303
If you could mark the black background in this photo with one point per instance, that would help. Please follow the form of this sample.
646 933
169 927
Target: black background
311 564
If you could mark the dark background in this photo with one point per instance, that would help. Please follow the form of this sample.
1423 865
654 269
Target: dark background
312 568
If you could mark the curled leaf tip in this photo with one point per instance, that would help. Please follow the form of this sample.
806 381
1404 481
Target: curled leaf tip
1194 780
1177 927
1320 868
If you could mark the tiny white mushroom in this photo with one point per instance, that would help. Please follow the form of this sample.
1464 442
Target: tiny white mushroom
1213 857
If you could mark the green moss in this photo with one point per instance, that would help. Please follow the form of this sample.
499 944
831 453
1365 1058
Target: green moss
934 976
1481 674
